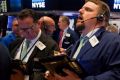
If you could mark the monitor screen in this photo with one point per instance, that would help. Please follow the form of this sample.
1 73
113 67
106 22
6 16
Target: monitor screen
114 5
72 5
9 22
3 6
44 5
38 4
14 5
65 5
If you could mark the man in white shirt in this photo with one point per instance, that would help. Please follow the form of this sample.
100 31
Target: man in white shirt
40 45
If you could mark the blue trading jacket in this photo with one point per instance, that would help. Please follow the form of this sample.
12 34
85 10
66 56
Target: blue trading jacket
101 62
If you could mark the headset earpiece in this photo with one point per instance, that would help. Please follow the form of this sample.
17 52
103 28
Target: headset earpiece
100 17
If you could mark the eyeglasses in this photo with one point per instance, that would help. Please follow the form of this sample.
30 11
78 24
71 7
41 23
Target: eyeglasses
26 28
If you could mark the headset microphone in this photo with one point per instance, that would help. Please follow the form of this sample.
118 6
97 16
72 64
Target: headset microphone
99 18
82 27
88 19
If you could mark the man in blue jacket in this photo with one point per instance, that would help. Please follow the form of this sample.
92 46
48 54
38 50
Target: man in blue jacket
99 54
13 35
67 36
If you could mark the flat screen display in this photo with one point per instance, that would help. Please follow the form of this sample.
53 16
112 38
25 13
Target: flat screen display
114 5
9 22
14 5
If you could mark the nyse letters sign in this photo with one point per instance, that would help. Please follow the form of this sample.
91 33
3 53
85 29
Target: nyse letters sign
38 3
116 4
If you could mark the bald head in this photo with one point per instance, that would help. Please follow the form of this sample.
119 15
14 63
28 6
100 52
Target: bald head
46 20
47 24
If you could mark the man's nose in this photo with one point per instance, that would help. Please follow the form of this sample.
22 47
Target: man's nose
81 11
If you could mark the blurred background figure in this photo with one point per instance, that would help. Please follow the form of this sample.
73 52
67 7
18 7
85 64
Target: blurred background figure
47 24
0 33
67 36
5 62
117 27
112 28
6 40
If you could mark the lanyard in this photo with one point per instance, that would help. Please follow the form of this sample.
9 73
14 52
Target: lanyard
27 51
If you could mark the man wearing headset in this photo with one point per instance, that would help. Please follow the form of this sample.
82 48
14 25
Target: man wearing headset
99 56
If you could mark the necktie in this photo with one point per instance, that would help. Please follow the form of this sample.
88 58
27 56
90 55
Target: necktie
83 40
60 39
24 49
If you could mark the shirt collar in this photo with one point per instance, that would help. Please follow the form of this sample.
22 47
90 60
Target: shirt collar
35 39
91 33
65 30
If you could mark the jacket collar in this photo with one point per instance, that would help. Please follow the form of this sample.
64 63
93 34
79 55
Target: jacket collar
87 46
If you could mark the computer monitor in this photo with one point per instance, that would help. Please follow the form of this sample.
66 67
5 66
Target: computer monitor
9 22
14 5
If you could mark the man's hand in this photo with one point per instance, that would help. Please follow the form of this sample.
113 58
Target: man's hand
62 50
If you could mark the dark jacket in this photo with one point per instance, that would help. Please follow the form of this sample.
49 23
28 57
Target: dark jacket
5 62
36 54
101 62
69 39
